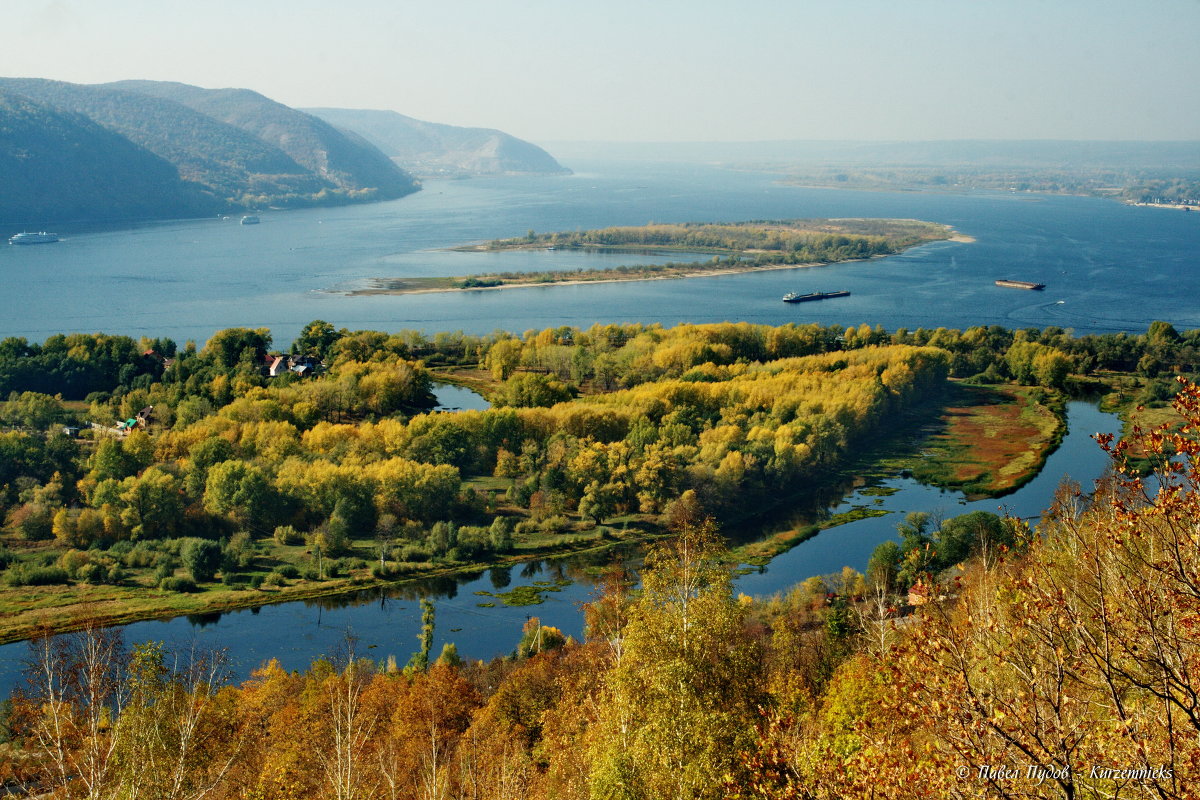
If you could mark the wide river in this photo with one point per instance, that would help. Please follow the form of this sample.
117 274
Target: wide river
1113 267
1108 267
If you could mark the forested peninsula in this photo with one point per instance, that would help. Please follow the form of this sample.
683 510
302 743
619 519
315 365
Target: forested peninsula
733 247
972 640
146 479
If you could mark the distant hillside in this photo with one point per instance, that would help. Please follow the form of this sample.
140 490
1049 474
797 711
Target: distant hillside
58 166
432 149
349 163
229 162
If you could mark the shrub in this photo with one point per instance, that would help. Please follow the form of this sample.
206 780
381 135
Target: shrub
383 571
239 553
163 571
501 534
288 570
287 535
90 573
73 561
202 558
32 522
274 579
178 585
555 524
256 581
412 552
28 575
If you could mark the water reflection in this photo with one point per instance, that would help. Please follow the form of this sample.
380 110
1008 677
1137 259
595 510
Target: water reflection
500 577
388 617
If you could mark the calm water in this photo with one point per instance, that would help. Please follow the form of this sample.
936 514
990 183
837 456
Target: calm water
1114 267
388 621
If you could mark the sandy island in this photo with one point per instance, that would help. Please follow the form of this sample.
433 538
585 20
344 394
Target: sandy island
397 286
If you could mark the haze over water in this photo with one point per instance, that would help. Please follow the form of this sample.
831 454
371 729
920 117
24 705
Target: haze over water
1114 267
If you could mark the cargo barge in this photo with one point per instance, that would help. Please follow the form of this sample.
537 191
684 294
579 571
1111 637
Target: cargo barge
792 297
1019 284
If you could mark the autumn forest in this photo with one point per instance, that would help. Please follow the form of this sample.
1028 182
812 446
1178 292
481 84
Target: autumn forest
143 479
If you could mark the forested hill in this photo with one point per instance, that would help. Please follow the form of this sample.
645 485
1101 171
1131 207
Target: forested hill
228 166
433 149
57 165
347 161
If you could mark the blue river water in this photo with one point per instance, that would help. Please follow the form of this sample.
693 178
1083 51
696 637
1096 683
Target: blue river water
1114 267
1108 267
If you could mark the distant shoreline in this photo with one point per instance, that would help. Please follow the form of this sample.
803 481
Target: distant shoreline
1176 206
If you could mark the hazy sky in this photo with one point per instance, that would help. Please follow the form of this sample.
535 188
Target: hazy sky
660 70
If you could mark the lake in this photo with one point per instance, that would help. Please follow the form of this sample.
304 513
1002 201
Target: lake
1114 267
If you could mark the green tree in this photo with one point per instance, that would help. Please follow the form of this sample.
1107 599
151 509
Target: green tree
202 558
504 357
151 504
528 389
33 410
241 491
420 659
316 339
599 501
201 458
232 347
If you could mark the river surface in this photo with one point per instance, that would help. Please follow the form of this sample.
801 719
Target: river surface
387 621
1107 266
1113 267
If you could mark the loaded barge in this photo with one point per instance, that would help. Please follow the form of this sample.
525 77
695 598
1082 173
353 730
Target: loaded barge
792 297
1019 284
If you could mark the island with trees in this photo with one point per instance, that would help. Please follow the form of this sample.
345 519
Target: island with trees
727 248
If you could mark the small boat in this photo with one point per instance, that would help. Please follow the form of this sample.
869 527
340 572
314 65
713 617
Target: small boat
250 219
792 297
1019 284
34 238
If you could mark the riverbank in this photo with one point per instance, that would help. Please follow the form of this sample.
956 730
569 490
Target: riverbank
990 440
25 611
398 286
60 609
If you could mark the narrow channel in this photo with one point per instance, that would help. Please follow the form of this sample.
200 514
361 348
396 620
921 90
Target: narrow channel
386 621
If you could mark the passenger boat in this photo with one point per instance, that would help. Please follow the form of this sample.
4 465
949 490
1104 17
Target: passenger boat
34 238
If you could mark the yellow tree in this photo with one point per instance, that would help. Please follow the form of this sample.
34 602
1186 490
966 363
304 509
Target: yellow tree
683 699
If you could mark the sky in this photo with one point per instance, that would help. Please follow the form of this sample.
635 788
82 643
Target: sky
660 70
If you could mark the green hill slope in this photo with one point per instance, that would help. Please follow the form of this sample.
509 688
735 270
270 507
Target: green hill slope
226 161
430 148
58 166
349 163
